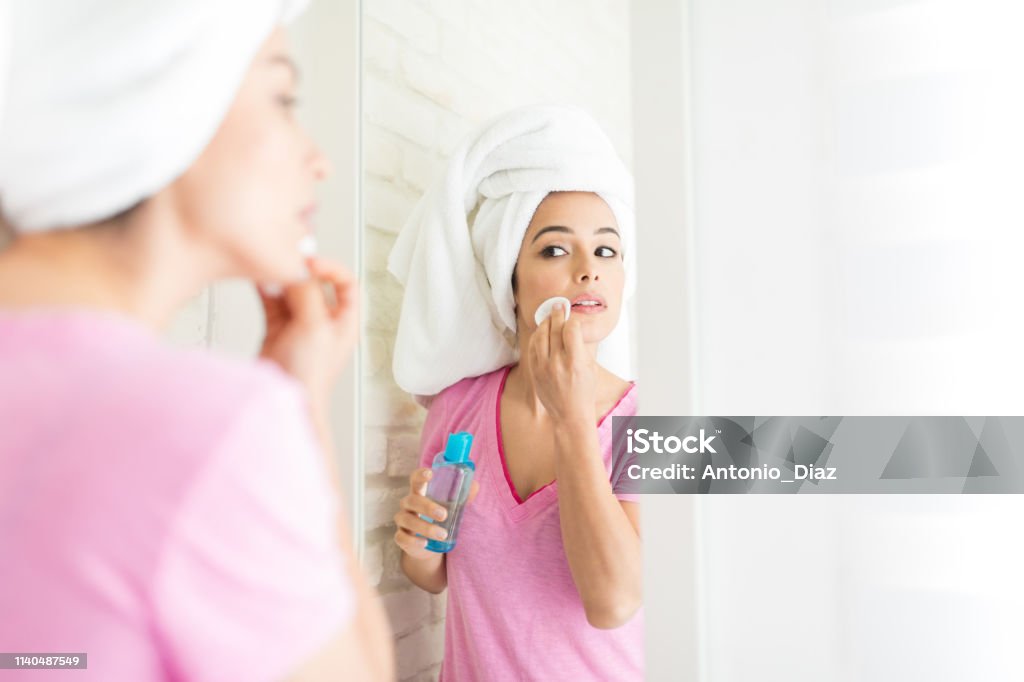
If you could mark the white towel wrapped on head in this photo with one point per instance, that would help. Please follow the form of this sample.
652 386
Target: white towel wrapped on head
109 101
456 253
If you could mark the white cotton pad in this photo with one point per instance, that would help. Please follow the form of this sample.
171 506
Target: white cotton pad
307 245
545 308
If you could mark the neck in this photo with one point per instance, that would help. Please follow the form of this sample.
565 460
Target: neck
145 271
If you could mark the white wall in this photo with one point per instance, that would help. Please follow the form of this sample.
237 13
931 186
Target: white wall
433 71
857 220
855 211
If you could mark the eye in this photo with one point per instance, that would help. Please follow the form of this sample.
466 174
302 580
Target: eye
288 101
606 252
550 251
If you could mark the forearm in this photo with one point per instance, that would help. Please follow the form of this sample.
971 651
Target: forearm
601 545
372 626
324 434
430 574
370 622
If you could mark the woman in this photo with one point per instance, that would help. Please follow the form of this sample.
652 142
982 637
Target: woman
545 579
170 513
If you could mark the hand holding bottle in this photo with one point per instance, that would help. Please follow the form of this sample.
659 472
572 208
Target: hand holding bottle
413 532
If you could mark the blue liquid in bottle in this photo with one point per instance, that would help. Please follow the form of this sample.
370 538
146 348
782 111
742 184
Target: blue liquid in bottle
449 486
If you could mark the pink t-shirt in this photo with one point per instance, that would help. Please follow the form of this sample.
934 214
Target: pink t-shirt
165 511
514 612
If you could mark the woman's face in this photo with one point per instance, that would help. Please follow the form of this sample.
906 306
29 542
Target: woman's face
250 193
572 249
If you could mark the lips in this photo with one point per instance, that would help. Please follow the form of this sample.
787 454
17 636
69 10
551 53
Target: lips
588 304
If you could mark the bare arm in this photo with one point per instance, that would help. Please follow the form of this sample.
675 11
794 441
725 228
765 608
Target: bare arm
602 540
429 573
427 570
364 650
602 544
312 338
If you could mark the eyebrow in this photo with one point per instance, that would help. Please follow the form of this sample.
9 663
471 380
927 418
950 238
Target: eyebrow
286 61
567 230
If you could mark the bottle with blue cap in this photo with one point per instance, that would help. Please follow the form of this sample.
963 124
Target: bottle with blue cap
449 486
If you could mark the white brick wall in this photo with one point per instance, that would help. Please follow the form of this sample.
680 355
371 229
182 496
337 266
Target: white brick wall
433 71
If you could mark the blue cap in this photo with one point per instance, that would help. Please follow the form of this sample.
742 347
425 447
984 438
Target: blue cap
457 449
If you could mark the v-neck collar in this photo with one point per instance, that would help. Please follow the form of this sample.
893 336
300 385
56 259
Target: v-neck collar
540 498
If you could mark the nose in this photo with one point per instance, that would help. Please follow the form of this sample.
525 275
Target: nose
586 270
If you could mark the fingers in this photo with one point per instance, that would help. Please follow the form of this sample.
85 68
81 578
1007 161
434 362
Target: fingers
410 543
342 281
542 339
419 479
272 302
335 273
557 317
414 529
474 488
417 512
412 523
305 302
264 293
417 500
572 335
420 504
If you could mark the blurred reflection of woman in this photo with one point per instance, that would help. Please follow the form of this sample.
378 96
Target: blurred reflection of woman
171 513
545 579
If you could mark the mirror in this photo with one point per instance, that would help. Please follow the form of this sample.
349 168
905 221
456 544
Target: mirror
433 73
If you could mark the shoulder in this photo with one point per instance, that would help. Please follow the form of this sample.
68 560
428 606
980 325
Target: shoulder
466 405
185 401
196 384
620 394
628 401
469 394
624 401
124 375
